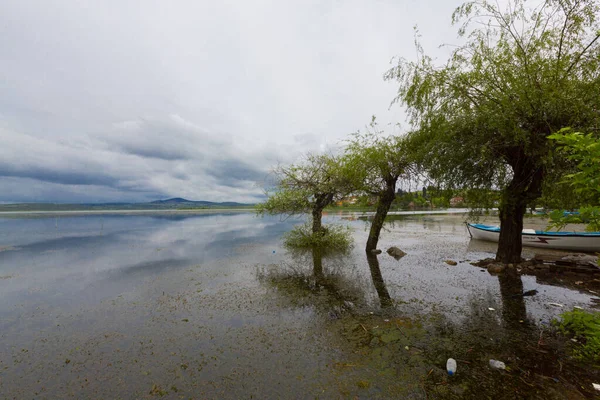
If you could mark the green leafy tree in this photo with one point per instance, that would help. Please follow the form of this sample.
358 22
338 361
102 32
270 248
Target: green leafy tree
378 162
308 187
584 151
484 116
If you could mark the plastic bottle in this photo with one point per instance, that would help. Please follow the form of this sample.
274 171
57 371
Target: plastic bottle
451 366
495 364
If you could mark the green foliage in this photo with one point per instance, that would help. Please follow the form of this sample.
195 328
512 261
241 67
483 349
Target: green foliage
292 201
585 327
317 181
585 215
377 161
584 152
331 238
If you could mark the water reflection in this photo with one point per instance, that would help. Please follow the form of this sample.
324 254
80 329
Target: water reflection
327 283
514 312
83 259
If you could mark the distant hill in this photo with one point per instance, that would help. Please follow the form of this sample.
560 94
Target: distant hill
180 201
174 200
168 204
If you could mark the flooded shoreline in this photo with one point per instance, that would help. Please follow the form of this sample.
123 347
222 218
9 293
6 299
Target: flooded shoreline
213 306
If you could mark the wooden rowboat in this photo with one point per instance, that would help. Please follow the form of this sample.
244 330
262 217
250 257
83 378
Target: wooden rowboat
577 241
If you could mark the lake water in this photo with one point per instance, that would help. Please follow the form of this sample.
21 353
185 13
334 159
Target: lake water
211 305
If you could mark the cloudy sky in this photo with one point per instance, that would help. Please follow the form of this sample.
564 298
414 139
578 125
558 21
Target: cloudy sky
137 100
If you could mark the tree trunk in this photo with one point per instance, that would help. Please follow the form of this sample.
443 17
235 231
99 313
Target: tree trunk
510 245
322 200
317 214
526 186
384 296
386 198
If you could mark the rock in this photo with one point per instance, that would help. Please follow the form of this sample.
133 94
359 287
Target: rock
496 268
376 251
451 262
483 263
582 259
396 252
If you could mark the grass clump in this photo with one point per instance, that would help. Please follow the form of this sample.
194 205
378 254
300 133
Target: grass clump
331 237
585 328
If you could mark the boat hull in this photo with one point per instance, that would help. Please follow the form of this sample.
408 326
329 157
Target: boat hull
575 241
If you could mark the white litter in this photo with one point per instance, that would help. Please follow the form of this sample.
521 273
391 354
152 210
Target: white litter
596 386
495 364
491 309
555 304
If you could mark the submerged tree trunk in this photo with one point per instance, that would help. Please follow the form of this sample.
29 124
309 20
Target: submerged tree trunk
386 198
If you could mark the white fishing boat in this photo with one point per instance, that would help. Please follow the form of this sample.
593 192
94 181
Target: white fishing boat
577 241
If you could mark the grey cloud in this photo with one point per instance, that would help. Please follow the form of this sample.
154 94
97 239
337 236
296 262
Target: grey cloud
170 138
197 99
229 171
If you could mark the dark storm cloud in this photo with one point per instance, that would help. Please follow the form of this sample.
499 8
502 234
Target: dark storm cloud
47 174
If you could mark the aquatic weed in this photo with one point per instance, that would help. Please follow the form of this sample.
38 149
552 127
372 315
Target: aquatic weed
333 237
585 328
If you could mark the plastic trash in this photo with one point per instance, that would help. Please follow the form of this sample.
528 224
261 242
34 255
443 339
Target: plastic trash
495 364
451 366
596 386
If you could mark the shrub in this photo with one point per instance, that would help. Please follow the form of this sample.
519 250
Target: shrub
332 237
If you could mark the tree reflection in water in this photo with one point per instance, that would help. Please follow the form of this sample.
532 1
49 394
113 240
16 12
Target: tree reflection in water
309 281
514 312
382 347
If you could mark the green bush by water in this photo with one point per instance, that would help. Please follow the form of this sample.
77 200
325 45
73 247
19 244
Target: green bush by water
333 237
585 328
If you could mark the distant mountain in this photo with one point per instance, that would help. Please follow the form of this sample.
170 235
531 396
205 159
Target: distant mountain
181 201
168 204
174 200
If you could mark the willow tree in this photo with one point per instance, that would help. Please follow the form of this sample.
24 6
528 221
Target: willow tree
520 75
379 161
307 187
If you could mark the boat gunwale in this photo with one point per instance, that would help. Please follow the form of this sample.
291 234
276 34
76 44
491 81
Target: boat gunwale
496 229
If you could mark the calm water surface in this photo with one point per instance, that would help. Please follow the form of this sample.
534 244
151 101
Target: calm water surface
212 306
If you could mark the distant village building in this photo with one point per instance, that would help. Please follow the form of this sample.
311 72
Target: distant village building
347 200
